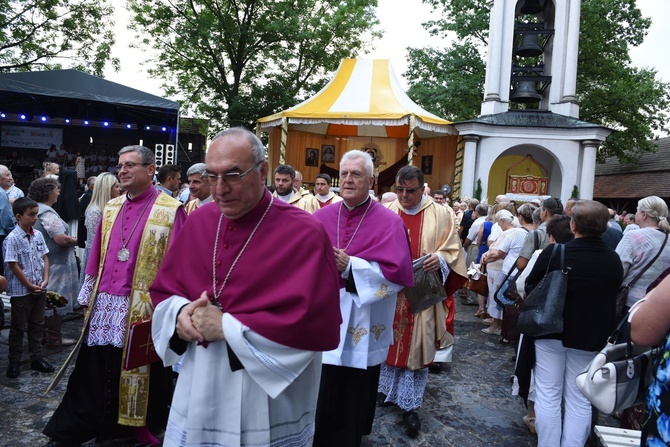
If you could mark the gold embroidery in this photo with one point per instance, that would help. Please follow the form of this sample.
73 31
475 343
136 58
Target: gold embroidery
377 330
357 333
383 291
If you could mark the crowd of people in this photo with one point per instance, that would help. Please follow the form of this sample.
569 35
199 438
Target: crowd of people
272 352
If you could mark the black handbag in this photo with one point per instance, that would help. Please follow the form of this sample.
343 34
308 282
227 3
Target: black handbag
542 311
622 293
506 293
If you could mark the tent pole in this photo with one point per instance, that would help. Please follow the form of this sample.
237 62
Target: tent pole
410 140
284 137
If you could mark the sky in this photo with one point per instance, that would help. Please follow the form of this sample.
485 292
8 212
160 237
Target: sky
401 21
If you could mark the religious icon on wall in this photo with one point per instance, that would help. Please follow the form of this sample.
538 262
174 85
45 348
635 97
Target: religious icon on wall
327 153
427 164
311 157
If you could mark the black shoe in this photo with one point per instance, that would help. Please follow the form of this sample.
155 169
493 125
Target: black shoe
411 420
435 367
54 443
13 370
41 365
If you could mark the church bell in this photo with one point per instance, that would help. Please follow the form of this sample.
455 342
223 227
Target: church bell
529 46
525 92
531 7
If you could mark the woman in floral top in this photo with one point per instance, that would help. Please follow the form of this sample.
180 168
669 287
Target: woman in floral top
650 326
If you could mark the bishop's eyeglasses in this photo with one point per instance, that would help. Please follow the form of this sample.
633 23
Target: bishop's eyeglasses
231 178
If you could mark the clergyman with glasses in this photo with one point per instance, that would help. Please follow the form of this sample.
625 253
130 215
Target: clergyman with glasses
250 333
419 336
103 400
371 249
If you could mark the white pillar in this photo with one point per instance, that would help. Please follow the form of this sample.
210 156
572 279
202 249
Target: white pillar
589 150
492 83
469 165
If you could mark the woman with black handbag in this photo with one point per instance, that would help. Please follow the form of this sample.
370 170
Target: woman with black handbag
594 273
650 326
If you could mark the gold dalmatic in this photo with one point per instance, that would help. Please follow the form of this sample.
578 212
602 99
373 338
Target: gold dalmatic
134 384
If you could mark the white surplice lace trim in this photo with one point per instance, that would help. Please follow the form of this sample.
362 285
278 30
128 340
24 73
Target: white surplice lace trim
108 320
403 387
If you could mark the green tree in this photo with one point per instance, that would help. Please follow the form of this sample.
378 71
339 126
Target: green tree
611 92
42 34
236 61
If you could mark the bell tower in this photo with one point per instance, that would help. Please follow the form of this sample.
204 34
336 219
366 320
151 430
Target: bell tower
532 57
530 115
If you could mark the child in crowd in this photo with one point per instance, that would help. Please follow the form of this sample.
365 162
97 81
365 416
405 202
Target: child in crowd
27 271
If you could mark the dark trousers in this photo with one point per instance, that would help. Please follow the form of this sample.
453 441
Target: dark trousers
346 407
2 256
90 406
27 317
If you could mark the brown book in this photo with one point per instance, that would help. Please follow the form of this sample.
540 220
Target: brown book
141 350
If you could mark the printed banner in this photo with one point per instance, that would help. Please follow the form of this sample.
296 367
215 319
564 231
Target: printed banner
26 137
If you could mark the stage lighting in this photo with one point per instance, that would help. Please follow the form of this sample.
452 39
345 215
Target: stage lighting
164 128
2 115
86 122
67 120
44 118
23 116
106 124
128 126
148 128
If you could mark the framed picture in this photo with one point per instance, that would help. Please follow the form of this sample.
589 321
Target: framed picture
427 164
311 157
327 153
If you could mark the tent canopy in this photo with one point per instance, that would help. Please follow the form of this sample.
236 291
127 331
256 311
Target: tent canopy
364 99
77 95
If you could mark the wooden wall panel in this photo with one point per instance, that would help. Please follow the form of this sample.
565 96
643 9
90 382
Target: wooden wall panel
443 150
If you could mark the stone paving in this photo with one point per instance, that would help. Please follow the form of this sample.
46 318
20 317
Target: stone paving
469 404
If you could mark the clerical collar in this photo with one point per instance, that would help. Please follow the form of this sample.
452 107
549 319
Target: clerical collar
207 200
148 192
351 208
326 197
287 197
415 210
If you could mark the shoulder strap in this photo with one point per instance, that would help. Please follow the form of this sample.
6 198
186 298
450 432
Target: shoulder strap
639 275
553 252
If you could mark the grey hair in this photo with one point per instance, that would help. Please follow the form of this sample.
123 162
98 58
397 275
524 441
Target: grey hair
257 148
356 154
146 156
198 168
4 170
655 208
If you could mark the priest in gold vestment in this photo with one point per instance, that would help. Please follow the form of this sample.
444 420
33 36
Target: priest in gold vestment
284 190
417 337
103 400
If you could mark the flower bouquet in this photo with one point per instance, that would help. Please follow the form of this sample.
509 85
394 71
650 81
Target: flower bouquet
55 300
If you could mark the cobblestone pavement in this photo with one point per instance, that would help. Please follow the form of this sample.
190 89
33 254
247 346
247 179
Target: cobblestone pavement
469 404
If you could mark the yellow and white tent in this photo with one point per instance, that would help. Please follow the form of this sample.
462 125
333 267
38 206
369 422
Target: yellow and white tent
363 106
363 99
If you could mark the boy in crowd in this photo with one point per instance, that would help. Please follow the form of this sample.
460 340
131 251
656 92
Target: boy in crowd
27 271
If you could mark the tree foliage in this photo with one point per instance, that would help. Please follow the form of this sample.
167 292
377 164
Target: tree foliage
234 61
611 92
41 34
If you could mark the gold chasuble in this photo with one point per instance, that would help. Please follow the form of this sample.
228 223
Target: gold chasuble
134 384
418 336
